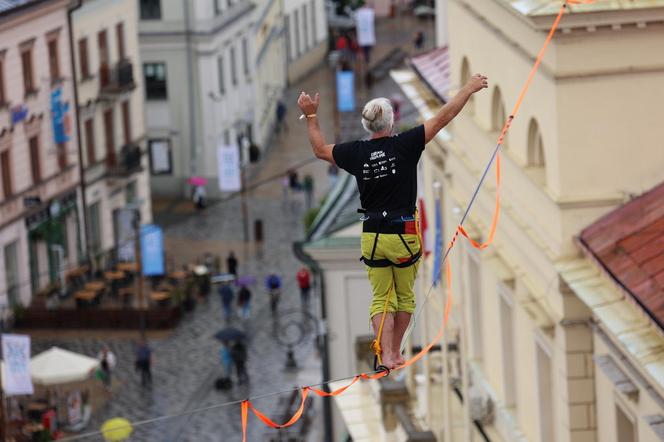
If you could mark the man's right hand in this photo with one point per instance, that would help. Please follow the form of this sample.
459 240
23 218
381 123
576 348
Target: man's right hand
476 83
308 105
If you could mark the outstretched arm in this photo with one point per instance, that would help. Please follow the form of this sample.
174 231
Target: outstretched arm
447 113
309 106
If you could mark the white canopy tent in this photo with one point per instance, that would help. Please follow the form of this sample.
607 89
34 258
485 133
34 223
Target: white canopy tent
57 366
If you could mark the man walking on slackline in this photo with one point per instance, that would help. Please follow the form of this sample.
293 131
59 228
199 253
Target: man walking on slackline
385 168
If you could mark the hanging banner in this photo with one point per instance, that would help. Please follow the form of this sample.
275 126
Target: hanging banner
124 234
364 20
60 117
16 367
345 91
228 164
152 250
438 244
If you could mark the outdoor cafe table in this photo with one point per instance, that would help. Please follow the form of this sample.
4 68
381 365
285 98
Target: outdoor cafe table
85 295
95 285
178 274
114 276
160 296
127 266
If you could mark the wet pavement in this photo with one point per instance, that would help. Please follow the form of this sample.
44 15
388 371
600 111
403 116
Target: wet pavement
186 361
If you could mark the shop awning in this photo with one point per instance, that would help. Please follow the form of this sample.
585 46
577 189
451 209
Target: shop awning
433 68
58 366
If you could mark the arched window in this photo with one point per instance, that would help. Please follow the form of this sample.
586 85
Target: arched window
535 145
498 115
465 76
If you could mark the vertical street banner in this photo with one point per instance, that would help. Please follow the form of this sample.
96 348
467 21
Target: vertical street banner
438 244
16 367
152 250
124 234
345 91
228 165
60 117
364 20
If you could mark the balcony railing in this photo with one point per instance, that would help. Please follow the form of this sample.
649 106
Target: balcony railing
118 79
128 162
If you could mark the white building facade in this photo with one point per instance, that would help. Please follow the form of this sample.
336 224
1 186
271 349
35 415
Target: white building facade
213 72
40 222
111 117
306 36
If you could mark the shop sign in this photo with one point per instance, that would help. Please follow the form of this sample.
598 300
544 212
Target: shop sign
346 91
16 368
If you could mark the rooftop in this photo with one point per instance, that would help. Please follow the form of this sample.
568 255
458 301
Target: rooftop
549 7
6 5
628 245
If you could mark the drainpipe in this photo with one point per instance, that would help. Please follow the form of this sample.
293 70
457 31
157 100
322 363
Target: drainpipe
192 99
298 250
81 169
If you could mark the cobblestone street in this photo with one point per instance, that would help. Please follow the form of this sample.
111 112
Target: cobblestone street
186 361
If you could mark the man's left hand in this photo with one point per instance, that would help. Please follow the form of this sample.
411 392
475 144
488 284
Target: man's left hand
308 105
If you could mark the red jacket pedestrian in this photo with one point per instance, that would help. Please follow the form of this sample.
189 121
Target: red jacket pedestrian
304 282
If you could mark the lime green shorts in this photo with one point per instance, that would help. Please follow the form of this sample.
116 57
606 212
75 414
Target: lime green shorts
393 282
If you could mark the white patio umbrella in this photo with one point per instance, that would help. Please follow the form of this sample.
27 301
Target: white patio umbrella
57 366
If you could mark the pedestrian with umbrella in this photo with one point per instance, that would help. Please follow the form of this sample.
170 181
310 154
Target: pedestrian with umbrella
239 355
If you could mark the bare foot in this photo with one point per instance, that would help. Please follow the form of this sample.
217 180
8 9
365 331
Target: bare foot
400 360
389 361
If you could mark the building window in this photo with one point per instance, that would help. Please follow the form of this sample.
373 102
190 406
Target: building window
289 43
109 133
245 57
507 341
155 81
535 145
475 304
130 192
62 155
6 168
83 58
53 59
11 273
296 19
126 122
465 77
545 393
498 116
35 163
220 75
305 23
95 227
150 9
90 140
218 7
104 59
233 68
3 100
28 75
160 157
625 428
119 35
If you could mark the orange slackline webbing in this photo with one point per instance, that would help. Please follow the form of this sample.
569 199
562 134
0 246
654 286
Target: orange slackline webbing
246 405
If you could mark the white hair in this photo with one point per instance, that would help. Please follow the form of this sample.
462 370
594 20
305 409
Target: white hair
377 115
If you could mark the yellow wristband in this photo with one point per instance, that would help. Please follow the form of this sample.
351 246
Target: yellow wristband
311 115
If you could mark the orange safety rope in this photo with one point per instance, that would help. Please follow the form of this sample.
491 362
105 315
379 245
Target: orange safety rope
246 405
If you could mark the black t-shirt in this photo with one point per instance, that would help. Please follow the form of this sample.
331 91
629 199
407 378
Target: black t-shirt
385 168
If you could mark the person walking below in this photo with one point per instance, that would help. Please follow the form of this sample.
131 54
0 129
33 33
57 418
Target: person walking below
304 282
231 264
273 285
281 116
308 187
239 355
226 294
244 301
144 363
106 365
385 168
226 358
333 174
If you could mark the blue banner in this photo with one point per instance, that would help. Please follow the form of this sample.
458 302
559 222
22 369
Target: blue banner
345 91
152 250
59 117
438 244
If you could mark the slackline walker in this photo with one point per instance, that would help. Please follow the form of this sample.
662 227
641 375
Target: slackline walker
401 249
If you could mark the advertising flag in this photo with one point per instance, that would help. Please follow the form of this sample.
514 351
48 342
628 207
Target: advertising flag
228 164
16 378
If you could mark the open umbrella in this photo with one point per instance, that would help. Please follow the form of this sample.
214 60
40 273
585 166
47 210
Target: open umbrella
116 429
197 181
245 280
230 334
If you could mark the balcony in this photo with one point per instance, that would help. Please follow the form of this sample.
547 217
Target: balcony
125 164
116 80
